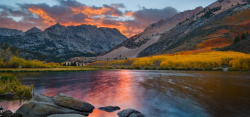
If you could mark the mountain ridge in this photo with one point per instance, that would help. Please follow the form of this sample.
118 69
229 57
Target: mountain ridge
166 37
10 32
62 42
194 32
152 34
33 30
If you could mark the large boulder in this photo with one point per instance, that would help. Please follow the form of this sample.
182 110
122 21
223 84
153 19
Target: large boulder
41 106
137 115
67 115
109 108
130 113
73 103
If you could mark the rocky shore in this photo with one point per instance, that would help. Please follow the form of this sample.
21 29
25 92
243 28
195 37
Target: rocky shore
63 106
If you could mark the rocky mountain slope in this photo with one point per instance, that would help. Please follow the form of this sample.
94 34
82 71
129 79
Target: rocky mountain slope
201 29
59 42
33 30
241 46
216 26
10 32
198 30
134 45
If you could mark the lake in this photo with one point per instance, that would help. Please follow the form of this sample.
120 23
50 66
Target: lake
154 93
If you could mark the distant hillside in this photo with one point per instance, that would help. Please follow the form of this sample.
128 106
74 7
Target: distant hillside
214 27
241 46
59 43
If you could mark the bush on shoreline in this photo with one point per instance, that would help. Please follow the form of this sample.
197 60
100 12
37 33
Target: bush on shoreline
10 84
16 62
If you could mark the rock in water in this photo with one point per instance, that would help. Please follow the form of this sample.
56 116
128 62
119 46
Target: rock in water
43 106
109 108
16 115
137 115
67 115
73 103
7 113
130 113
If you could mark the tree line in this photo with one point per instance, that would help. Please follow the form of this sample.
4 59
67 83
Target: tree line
243 36
9 58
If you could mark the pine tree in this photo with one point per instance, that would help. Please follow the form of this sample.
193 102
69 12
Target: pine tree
5 46
243 36
236 39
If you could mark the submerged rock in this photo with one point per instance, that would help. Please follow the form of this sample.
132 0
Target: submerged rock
42 106
67 115
8 96
7 113
109 108
73 103
130 113
16 115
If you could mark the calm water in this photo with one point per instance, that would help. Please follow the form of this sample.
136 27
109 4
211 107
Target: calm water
154 93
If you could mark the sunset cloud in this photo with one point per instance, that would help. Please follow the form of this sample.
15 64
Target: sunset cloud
71 12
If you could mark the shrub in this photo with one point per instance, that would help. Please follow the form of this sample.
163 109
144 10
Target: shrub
9 83
137 67
199 61
7 77
16 62
163 68
120 67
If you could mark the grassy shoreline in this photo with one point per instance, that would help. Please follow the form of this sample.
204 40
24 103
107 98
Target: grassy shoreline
46 69
14 89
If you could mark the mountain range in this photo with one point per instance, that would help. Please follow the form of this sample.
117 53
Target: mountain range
199 30
59 43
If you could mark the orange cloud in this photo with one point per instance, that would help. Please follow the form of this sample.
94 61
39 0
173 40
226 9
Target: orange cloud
41 13
96 16
129 13
90 11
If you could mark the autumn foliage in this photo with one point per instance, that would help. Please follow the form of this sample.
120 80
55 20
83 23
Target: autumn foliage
208 60
215 42
16 62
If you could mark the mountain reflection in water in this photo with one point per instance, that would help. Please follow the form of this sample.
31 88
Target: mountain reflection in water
154 93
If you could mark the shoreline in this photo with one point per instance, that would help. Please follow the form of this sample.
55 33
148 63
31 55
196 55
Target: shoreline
228 69
45 69
2 70
63 105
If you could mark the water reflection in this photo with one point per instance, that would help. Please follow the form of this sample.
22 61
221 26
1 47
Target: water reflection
201 94
11 104
154 93
112 89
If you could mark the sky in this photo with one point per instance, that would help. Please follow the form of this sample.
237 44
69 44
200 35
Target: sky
130 17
